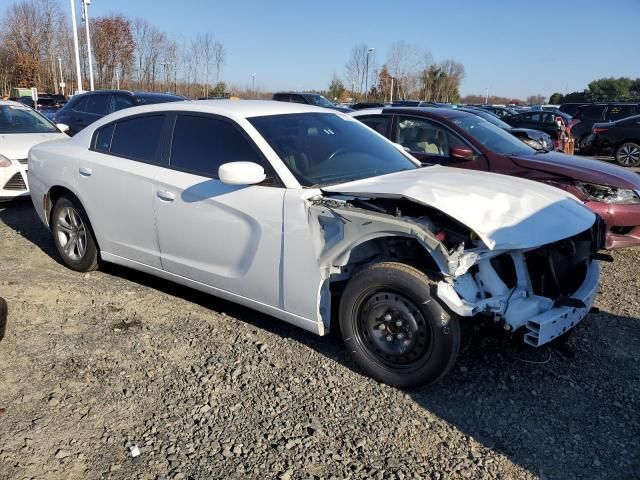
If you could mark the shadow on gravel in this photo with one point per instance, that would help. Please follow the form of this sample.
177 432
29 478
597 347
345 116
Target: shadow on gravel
23 219
551 414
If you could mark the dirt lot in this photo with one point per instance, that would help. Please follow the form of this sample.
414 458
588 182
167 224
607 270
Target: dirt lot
93 363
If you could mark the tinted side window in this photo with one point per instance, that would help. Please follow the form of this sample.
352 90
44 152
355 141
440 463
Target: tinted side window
102 141
282 97
201 144
97 104
617 112
593 112
120 102
379 123
298 99
138 138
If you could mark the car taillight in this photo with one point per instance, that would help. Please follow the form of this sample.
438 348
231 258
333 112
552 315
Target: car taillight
599 129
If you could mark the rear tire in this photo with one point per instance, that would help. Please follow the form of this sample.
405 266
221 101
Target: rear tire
628 154
395 328
73 235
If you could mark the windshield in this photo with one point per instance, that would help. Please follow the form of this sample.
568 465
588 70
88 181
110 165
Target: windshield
320 101
326 148
489 117
494 138
19 119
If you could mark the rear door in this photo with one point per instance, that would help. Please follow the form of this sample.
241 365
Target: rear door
225 236
618 112
114 182
431 142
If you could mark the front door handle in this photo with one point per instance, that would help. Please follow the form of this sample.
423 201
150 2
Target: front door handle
85 172
166 196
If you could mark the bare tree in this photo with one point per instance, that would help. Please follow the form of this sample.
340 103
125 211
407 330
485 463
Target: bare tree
219 55
356 69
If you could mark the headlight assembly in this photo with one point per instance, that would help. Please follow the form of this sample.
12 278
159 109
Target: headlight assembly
4 162
608 194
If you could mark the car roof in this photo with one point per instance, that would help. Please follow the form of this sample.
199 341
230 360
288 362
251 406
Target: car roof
447 113
366 111
128 92
11 102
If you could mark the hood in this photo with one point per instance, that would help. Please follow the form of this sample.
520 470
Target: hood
15 146
580 168
506 212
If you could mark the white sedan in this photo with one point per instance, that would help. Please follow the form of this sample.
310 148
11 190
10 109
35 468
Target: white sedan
20 129
292 209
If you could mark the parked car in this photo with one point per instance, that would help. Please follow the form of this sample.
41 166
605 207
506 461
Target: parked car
306 208
534 138
587 115
84 109
20 128
502 112
47 104
460 139
365 105
544 108
571 108
620 139
540 120
308 99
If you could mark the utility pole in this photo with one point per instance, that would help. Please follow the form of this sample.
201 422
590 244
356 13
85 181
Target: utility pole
366 76
486 99
61 77
85 19
166 81
253 86
75 46
391 93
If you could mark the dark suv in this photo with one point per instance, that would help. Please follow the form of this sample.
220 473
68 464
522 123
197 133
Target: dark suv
84 109
587 115
308 99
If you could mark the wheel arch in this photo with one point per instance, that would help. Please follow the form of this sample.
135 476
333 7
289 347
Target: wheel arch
53 195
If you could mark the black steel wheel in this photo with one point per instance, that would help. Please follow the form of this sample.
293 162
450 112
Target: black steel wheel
395 329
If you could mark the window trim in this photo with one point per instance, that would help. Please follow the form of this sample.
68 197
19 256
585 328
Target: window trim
268 168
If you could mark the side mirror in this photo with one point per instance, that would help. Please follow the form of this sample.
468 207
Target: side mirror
461 153
63 127
241 173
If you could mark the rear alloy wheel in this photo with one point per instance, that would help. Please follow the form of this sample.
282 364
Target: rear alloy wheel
628 154
395 330
72 235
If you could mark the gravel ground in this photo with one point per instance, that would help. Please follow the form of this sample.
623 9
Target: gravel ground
95 363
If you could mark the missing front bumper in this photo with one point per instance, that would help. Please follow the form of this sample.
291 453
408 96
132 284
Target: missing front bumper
549 325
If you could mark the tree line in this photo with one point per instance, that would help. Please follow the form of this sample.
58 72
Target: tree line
127 53
408 71
602 90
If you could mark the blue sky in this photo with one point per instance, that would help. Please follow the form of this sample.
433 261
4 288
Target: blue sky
515 47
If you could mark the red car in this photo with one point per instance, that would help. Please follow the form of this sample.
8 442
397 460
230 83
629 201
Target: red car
459 139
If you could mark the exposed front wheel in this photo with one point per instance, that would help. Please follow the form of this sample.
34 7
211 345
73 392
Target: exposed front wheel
628 154
395 330
73 236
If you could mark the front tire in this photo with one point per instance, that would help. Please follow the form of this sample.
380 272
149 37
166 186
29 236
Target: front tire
395 329
73 236
628 154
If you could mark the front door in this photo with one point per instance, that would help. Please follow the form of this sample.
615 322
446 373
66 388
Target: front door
225 236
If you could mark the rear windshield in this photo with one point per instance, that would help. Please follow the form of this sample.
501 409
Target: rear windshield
19 119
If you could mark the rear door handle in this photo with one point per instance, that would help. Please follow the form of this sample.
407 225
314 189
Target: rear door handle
85 172
166 196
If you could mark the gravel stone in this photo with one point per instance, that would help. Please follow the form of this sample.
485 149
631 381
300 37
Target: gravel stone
208 389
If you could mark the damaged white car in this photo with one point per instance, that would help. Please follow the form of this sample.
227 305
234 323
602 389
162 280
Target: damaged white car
310 216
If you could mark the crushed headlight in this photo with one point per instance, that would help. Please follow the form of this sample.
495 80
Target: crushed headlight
5 162
608 194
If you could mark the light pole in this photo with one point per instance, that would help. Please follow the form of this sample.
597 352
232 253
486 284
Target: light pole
85 19
75 46
253 86
486 99
366 76
165 65
61 77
